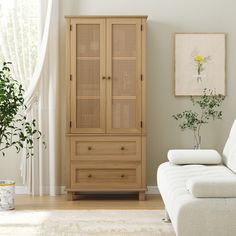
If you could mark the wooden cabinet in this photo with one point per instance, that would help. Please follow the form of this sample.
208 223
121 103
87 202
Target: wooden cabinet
106 117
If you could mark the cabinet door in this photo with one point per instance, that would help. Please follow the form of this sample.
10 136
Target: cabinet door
88 76
124 75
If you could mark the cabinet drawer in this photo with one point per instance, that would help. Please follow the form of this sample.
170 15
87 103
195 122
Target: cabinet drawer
106 176
102 148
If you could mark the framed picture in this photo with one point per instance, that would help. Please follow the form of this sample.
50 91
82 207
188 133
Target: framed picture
199 63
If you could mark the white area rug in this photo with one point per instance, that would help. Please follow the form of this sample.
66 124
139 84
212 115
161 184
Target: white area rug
85 223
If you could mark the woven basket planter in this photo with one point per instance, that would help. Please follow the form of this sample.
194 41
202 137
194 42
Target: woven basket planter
7 192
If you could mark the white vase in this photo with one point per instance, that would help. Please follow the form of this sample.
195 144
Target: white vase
7 192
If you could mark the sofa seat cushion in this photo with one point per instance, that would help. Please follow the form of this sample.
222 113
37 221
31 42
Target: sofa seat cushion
184 208
205 187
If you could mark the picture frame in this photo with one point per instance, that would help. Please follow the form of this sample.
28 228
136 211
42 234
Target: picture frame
200 63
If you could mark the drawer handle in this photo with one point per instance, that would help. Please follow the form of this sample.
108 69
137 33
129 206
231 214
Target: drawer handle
122 176
89 176
89 148
109 77
104 77
122 148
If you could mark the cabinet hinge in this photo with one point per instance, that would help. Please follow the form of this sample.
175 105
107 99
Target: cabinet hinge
141 76
141 27
141 124
70 124
70 27
70 77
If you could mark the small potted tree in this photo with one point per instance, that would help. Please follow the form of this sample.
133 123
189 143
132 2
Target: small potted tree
15 130
208 109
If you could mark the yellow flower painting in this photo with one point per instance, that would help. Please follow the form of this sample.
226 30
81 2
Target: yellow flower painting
199 63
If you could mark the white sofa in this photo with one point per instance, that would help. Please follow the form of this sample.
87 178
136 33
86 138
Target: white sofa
201 216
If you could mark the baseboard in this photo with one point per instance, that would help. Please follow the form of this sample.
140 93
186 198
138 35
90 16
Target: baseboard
152 190
62 190
20 190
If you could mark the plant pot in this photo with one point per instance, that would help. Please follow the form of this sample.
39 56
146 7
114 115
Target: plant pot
7 192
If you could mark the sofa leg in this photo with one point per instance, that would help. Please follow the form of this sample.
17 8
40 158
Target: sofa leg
167 217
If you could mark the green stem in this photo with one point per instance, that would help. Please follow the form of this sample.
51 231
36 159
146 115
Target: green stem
199 69
195 137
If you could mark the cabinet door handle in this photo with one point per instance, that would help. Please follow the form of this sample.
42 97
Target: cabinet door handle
89 148
122 176
109 77
89 176
122 148
104 77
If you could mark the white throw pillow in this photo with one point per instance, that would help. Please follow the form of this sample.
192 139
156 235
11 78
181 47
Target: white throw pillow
203 187
191 156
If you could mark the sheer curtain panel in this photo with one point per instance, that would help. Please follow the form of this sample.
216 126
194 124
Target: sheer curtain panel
41 174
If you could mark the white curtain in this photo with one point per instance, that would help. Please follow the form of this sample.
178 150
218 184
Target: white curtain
20 36
41 174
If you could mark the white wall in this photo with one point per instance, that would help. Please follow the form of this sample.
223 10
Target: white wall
165 18
10 166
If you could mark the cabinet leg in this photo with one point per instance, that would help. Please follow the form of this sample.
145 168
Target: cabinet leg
70 196
141 196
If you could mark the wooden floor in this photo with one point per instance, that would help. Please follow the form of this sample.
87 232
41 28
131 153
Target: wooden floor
26 202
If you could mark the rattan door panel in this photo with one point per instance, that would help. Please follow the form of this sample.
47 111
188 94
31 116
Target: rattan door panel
88 70
124 73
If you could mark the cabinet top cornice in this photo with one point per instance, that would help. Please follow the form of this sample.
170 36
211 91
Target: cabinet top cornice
106 16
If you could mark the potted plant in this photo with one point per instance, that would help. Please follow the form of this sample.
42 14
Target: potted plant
15 130
208 105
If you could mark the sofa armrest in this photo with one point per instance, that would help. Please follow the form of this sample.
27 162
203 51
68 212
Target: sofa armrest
203 187
191 156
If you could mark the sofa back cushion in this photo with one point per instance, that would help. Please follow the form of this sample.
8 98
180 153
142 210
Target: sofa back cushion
229 152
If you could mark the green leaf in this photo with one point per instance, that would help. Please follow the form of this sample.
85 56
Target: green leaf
16 130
